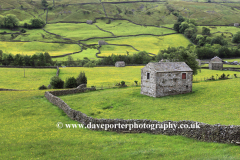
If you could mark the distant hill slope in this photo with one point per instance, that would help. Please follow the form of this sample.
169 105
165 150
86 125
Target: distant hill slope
146 12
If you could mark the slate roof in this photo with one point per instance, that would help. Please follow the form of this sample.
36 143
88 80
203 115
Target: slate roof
216 59
169 67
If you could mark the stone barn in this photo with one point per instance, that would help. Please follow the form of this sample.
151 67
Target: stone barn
166 78
236 24
102 42
120 64
89 22
216 63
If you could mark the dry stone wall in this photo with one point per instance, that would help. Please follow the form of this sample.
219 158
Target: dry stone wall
206 132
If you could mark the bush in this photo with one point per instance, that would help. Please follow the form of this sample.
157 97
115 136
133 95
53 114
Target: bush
42 87
56 82
37 23
236 38
23 30
71 83
81 79
89 64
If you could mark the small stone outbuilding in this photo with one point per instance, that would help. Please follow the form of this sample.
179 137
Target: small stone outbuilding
236 24
120 64
166 78
102 42
89 22
216 63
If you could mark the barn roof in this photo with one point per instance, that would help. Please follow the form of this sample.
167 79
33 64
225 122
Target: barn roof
169 66
216 59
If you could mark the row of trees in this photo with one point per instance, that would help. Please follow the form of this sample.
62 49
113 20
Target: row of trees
39 59
10 21
71 82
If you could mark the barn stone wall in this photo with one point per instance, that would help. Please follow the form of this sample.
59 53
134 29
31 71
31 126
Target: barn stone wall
205 132
148 86
171 83
215 66
120 64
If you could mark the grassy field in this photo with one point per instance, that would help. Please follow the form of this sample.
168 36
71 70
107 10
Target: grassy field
197 106
150 44
207 13
28 120
118 28
13 78
30 48
38 35
224 65
214 29
99 76
90 53
76 31
108 50
28 131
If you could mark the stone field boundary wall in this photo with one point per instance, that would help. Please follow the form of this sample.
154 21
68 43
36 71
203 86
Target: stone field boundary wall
209 133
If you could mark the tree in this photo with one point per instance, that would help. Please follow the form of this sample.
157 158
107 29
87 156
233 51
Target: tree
181 19
56 82
10 21
81 79
176 26
70 83
219 40
236 38
44 3
37 23
183 26
205 31
48 58
187 56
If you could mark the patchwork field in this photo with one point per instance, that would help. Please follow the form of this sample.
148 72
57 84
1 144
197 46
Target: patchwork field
108 50
30 48
90 53
150 44
76 31
123 28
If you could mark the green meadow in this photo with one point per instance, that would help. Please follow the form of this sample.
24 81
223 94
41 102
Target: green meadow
30 48
28 120
108 50
124 28
99 76
207 13
197 106
13 78
79 31
89 53
150 44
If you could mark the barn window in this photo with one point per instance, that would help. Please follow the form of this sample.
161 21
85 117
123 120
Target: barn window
148 75
183 75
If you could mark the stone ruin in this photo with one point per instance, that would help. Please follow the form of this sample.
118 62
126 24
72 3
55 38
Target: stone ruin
120 64
166 78
102 42
216 63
